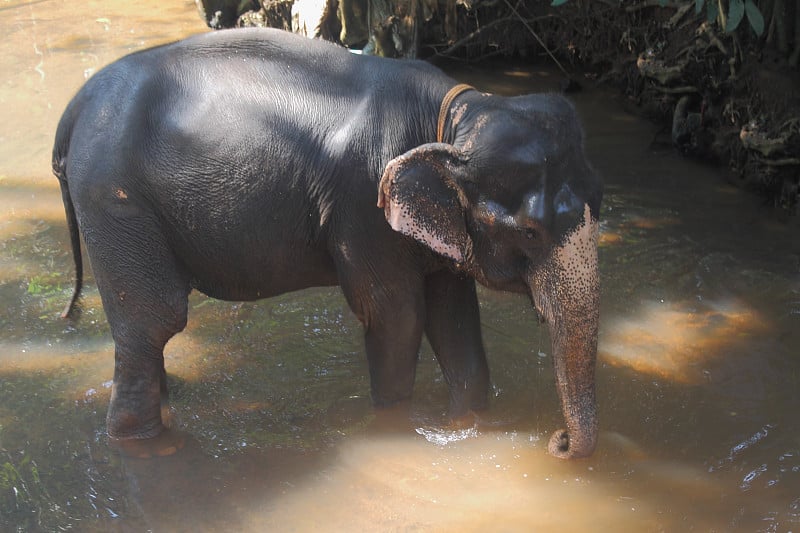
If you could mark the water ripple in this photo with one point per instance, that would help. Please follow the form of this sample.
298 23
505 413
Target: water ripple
752 476
743 446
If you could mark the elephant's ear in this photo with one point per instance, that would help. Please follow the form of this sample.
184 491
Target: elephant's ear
421 197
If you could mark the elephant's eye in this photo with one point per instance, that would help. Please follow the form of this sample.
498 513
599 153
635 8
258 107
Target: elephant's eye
530 233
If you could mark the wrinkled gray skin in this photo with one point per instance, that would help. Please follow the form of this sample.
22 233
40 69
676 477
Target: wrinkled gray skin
248 163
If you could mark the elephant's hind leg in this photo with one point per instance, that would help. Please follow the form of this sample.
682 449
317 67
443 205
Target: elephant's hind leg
144 292
453 328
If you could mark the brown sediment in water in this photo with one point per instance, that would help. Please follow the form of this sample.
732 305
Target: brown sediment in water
676 342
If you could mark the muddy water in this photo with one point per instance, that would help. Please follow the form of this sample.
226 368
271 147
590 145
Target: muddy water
698 380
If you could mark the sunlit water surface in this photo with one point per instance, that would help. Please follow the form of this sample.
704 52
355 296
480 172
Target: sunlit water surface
698 378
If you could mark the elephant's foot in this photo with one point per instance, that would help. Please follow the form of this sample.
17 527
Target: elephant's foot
393 418
467 400
167 442
467 420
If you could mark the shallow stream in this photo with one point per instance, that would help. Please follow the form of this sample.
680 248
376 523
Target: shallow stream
698 379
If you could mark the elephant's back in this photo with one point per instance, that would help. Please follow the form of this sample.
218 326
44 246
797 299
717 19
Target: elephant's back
222 82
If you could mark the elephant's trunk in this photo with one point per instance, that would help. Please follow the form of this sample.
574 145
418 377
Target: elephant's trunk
566 291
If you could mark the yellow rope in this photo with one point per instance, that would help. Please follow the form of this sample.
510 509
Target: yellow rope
446 103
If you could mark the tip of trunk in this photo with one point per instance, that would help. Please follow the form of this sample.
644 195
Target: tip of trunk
563 447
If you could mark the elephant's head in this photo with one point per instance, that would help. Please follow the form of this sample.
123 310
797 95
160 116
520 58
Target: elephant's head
514 202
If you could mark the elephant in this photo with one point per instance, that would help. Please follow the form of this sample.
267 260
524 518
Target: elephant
249 163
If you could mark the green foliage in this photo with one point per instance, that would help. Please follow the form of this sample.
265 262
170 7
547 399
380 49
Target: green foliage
755 17
45 284
556 3
737 10
23 496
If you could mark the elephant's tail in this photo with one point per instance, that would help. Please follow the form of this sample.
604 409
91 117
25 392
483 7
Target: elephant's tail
75 240
59 169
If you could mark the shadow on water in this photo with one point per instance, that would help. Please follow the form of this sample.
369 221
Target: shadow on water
697 375
66 476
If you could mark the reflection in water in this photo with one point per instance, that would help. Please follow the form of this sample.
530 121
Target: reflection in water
698 378
673 341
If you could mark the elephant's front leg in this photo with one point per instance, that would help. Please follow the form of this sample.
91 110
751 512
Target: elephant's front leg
393 335
453 328
381 279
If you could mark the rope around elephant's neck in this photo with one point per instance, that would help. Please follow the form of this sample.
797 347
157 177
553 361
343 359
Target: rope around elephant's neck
446 103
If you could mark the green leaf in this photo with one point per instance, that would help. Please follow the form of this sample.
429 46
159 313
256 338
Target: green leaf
698 6
34 286
712 12
754 16
557 3
735 15
35 473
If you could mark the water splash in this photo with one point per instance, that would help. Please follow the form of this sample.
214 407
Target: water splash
443 437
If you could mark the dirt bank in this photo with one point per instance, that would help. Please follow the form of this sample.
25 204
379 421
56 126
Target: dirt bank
729 98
